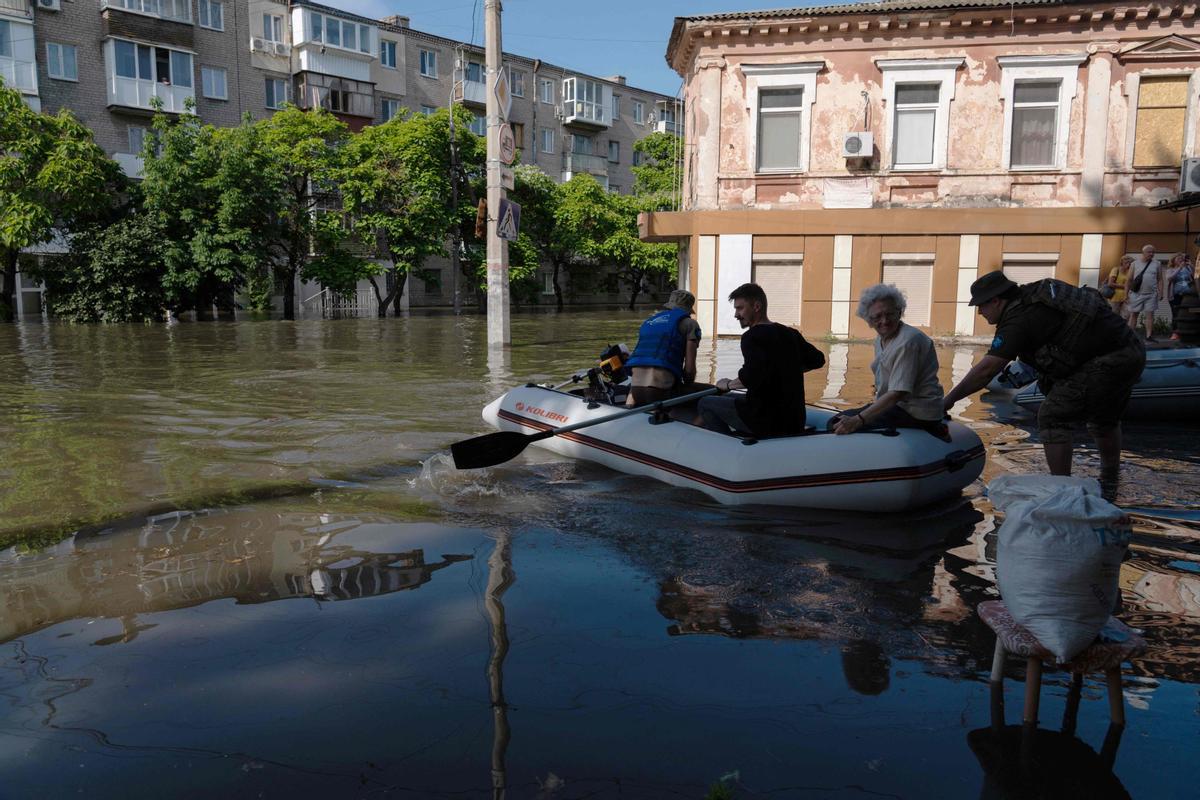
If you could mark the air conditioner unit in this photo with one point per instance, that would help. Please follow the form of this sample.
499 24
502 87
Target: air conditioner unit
50 5
281 49
1189 176
858 144
257 45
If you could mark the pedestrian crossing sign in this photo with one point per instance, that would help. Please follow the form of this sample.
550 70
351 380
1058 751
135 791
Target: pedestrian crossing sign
509 221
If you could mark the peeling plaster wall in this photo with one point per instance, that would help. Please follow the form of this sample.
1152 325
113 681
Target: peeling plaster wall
975 174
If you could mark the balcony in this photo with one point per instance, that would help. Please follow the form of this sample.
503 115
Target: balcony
471 93
137 93
579 162
586 104
129 163
16 8
21 75
666 126
172 10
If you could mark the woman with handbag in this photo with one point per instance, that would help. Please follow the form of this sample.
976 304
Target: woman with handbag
1180 276
1142 293
1114 286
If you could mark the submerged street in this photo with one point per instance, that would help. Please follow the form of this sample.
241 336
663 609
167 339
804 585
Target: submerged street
239 561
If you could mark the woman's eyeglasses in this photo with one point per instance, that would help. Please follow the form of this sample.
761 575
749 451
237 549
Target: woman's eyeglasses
875 319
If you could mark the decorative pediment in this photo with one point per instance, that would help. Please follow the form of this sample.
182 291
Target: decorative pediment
1167 48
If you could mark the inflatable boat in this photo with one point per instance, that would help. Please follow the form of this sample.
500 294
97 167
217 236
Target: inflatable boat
866 471
1169 388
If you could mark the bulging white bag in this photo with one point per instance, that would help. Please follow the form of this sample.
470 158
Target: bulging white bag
1058 557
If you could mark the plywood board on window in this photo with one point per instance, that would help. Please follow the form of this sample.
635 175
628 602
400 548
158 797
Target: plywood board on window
1158 138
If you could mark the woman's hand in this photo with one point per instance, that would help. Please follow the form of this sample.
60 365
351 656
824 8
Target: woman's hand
723 385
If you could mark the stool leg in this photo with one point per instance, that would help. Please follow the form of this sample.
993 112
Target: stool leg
1071 712
1033 687
1116 698
997 686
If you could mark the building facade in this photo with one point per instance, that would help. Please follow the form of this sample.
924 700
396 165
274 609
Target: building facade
923 143
110 61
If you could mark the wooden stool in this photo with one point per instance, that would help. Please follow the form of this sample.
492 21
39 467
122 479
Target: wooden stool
1101 656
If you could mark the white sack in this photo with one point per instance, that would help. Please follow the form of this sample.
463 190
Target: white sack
1058 557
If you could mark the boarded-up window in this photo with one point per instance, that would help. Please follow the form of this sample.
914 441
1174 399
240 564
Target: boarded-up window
1029 267
912 274
782 281
1161 116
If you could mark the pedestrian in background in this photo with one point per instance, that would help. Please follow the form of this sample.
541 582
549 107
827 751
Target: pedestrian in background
1144 290
1118 280
1179 281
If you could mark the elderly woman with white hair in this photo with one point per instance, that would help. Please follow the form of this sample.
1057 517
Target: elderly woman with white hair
907 391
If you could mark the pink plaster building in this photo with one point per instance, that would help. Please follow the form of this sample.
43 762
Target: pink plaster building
923 143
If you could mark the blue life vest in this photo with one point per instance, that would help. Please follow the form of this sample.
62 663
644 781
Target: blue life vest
660 343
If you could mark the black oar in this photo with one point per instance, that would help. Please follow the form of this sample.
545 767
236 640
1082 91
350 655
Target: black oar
496 448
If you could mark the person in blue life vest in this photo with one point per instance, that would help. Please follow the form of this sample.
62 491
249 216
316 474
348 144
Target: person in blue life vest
1087 360
664 360
775 358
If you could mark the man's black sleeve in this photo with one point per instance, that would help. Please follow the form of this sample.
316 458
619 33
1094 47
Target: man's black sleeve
810 357
755 365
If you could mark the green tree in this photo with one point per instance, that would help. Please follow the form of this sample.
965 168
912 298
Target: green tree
215 194
395 186
661 169
306 146
567 224
634 259
53 177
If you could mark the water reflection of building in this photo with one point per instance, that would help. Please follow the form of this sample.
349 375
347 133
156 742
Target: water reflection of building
194 560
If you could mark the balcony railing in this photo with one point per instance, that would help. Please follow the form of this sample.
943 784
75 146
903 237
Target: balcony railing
174 10
130 164
20 75
137 93
473 92
666 126
583 112
579 162
16 8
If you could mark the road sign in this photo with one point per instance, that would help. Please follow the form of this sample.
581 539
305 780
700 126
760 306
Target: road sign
507 179
508 144
509 221
503 95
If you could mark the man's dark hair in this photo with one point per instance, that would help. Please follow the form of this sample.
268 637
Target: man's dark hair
751 292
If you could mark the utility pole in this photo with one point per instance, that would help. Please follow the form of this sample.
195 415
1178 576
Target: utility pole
455 234
499 333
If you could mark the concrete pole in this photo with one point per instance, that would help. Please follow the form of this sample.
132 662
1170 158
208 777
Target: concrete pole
499 333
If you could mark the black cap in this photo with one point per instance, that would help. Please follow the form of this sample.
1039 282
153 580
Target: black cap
990 285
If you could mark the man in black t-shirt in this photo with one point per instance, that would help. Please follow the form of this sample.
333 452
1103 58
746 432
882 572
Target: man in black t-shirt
775 358
1087 359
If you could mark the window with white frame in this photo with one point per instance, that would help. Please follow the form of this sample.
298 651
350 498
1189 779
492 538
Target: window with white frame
137 139
546 90
780 97
6 48
637 157
780 117
213 83
918 92
547 283
387 53
211 14
428 110
272 27
61 61
389 109
478 125
616 106
475 71
639 112
429 63
547 140
147 63
336 32
516 82
912 274
177 10
1037 92
277 92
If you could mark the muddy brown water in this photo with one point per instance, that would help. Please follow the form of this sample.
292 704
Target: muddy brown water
238 562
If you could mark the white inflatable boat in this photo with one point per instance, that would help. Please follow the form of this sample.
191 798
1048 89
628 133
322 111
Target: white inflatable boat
1168 390
869 471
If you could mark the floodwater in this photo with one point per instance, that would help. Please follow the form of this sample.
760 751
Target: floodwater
240 564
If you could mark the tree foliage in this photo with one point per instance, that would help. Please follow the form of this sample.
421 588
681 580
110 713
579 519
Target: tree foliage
52 176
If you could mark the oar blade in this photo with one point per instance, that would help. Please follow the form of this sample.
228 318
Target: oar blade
488 450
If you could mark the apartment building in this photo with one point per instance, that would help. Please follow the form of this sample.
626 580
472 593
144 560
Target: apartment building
924 143
107 61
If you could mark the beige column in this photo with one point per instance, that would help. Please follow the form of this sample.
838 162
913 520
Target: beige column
706 109
1095 123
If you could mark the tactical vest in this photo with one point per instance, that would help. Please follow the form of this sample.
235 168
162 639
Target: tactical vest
1080 305
660 344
